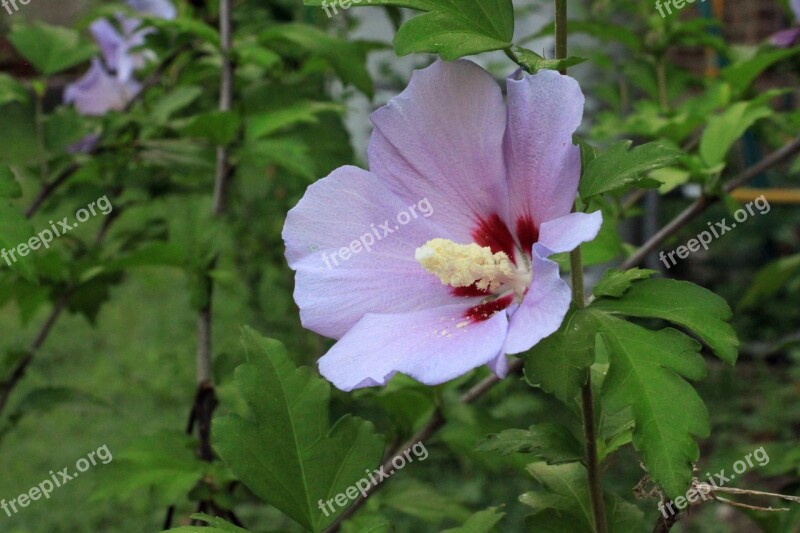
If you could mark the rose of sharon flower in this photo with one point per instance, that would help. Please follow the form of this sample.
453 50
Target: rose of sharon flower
99 92
111 87
117 44
790 37
116 47
471 283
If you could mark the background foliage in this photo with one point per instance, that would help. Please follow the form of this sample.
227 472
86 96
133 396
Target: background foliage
125 291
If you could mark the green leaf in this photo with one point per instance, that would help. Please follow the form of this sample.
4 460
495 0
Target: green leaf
9 188
681 303
771 279
219 127
155 254
43 400
62 128
174 101
180 153
618 167
284 450
263 124
165 462
646 372
50 49
215 525
670 177
14 231
451 28
616 282
348 59
564 504
740 75
559 364
481 522
725 129
189 27
566 489
552 521
589 152
552 442
12 91
291 154
254 54
533 62
421 501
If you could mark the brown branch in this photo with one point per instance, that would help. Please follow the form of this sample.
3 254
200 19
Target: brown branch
225 104
49 188
702 203
434 424
19 371
663 525
8 386
205 400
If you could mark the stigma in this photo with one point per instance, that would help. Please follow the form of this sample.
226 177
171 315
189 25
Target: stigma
464 265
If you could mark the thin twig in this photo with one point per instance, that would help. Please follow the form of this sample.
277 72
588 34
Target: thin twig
206 401
19 371
702 203
434 424
225 104
8 386
49 188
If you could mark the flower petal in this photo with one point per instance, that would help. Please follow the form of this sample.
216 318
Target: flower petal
785 38
426 345
795 4
442 138
110 41
544 110
97 92
542 310
352 210
156 8
564 234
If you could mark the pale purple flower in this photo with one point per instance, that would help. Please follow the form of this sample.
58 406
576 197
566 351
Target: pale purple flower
162 9
471 283
789 37
112 87
117 44
116 47
99 92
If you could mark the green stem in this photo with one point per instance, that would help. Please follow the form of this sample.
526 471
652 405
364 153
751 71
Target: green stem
579 299
587 402
561 31
39 91
661 78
